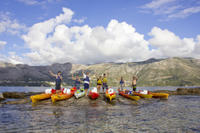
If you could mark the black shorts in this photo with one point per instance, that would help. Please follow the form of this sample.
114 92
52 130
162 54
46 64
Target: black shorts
86 86
105 86
134 87
58 87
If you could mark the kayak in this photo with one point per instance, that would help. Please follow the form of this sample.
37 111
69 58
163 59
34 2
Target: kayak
160 95
93 95
43 96
40 97
79 93
130 96
111 95
62 95
143 95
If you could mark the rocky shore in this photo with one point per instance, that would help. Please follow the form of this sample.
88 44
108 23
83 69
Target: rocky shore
22 98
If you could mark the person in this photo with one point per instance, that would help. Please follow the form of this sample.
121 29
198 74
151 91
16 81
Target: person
59 79
121 82
86 81
77 80
134 83
105 85
99 83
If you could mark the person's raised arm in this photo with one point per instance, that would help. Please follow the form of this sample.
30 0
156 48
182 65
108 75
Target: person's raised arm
84 75
73 78
52 74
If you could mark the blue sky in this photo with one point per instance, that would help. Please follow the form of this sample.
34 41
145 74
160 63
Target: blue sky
106 29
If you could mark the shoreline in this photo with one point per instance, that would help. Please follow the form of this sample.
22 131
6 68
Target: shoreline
22 97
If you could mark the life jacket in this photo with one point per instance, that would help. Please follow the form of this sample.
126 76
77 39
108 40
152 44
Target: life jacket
99 81
86 80
77 82
58 80
105 80
121 82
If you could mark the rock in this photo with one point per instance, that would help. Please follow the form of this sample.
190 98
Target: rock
1 97
21 101
14 95
181 91
188 91
18 95
166 91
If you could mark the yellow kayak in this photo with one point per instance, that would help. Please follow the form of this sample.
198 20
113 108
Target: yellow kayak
39 97
143 95
122 93
110 96
160 95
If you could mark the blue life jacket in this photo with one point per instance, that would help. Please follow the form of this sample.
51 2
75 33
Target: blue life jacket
86 79
121 82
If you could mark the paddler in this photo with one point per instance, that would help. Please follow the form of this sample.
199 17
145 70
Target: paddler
59 79
134 83
122 83
99 83
77 81
105 84
86 81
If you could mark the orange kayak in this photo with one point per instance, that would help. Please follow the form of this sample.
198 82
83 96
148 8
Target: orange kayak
59 97
63 96
133 97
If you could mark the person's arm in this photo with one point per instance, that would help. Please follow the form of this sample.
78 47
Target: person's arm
83 72
52 74
61 77
73 78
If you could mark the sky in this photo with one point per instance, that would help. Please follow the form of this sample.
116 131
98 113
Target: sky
43 32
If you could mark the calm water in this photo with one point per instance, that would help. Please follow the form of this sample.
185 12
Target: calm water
177 114
41 89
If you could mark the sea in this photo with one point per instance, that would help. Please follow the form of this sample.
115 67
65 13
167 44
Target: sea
177 114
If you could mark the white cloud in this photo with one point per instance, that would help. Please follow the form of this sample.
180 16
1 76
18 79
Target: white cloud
11 26
2 43
53 41
13 58
37 2
171 9
170 45
29 2
185 12
196 52
157 3
79 21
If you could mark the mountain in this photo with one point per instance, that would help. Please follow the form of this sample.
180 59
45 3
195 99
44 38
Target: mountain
153 72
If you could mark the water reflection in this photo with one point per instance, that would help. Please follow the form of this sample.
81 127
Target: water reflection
177 114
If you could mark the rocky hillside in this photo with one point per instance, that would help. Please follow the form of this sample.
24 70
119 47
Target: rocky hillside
153 72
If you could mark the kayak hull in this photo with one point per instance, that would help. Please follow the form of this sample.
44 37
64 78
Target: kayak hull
160 95
143 95
40 97
79 94
60 97
93 95
110 97
136 98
